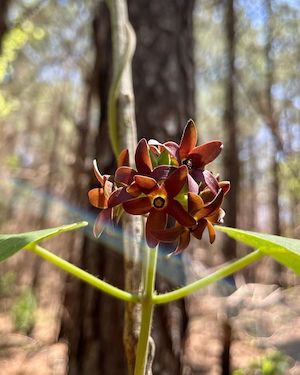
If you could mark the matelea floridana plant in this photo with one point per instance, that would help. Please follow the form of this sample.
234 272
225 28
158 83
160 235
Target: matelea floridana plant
170 185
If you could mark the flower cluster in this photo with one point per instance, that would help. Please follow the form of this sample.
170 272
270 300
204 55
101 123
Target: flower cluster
170 186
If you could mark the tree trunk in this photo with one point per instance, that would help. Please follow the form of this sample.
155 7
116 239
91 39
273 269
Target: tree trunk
163 77
273 126
251 185
272 123
230 153
163 66
93 321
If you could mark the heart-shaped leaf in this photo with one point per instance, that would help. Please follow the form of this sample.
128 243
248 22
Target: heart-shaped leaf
12 243
283 249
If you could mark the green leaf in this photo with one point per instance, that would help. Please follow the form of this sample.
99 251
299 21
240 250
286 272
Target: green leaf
284 250
12 243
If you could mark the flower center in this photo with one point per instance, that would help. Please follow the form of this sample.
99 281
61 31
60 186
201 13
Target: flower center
188 163
159 202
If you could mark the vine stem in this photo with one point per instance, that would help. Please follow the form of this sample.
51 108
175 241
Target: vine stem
83 275
147 312
207 280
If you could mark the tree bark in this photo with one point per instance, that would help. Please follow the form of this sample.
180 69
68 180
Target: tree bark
163 66
273 126
93 322
230 152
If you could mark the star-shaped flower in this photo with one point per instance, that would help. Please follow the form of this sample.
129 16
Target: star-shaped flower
194 157
125 175
158 200
205 209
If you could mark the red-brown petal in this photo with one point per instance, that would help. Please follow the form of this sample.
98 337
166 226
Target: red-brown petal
162 172
142 158
118 196
98 175
211 207
169 234
123 159
97 198
172 148
138 206
207 195
197 175
175 181
188 140
154 146
183 242
133 189
192 185
195 202
156 220
176 210
225 186
206 153
211 232
125 175
211 181
146 184
107 187
198 232
217 216
103 221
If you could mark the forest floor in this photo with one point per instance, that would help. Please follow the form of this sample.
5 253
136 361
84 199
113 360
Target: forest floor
254 322
251 322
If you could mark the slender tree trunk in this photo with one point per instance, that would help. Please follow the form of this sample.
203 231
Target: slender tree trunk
55 124
163 66
230 153
93 321
276 147
251 185
273 125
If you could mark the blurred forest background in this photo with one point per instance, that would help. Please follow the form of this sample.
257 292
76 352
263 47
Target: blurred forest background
233 66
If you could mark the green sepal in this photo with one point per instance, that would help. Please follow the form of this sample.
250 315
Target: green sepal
182 197
164 158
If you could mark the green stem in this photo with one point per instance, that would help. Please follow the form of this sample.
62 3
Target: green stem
220 274
83 275
147 312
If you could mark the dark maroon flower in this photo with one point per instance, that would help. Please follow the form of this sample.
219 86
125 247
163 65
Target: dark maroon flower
206 213
195 158
125 175
158 200
169 181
